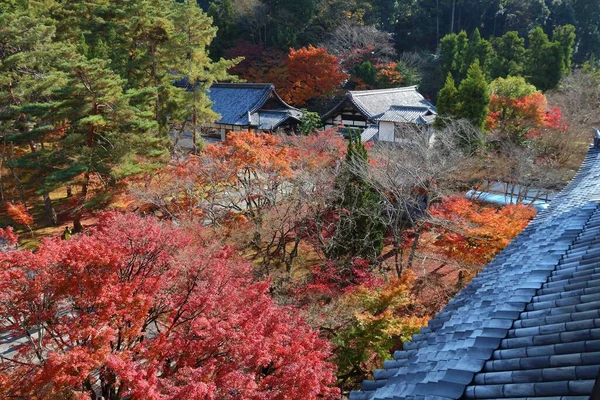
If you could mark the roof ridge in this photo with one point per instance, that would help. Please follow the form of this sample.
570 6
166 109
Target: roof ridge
243 85
377 91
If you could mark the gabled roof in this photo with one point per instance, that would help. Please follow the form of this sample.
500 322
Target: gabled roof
373 104
239 103
528 326
273 119
407 114
236 102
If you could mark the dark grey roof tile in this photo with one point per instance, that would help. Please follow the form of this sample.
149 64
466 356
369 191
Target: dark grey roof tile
523 327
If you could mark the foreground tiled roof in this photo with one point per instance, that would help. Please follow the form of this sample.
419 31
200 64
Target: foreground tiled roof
527 327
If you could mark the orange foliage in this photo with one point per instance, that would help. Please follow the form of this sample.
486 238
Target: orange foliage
311 72
521 116
248 150
19 214
472 234
388 75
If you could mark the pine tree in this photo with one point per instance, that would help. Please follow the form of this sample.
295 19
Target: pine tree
194 34
27 81
474 96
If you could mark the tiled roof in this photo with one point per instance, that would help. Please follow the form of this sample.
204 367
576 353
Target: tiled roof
395 104
235 102
527 327
407 114
240 103
369 134
376 102
273 119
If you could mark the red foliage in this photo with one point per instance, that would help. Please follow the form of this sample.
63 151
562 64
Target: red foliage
311 72
520 114
298 76
9 235
138 311
331 280
553 119
19 214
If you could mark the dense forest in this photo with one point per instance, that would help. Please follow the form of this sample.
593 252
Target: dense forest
266 265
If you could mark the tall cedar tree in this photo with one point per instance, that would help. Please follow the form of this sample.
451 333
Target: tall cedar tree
565 37
448 102
360 229
478 49
474 96
544 61
509 55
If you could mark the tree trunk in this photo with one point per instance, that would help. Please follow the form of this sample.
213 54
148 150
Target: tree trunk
413 249
437 22
50 211
452 20
78 214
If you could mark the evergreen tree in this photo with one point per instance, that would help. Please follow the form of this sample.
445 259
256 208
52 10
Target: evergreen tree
360 229
565 37
27 81
544 62
367 73
449 53
86 88
509 55
223 17
448 102
474 96
587 15
478 49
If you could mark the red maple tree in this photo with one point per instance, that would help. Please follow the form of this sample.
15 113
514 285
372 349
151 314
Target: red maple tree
137 310
311 72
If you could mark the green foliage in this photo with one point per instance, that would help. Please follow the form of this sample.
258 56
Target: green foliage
587 15
360 229
411 76
477 49
565 37
367 73
376 326
474 96
448 102
544 61
513 87
310 122
88 87
509 55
